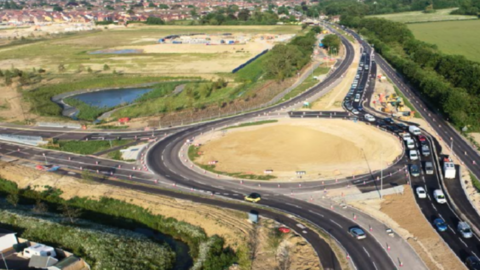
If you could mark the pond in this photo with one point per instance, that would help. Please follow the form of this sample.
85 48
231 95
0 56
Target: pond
112 98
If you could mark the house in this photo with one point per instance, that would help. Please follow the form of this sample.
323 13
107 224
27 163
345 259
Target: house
7 240
335 19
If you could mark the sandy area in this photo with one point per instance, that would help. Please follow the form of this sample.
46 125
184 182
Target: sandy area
411 225
324 148
232 225
333 100
12 107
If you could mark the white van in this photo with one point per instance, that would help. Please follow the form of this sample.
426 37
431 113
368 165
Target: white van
357 98
415 130
410 144
439 196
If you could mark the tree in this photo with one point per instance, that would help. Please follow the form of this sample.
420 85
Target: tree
71 214
244 15
89 70
61 68
154 21
40 207
283 10
13 199
163 6
130 12
316 29
106 67
57 8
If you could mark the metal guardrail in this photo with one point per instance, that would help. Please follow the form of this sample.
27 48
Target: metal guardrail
28 140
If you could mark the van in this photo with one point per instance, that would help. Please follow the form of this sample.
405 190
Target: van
357 98
410 144
439 196
415 130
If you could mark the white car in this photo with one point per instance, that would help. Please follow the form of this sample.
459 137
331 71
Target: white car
439 196
369 117
406 136
421 193
413 154
410 144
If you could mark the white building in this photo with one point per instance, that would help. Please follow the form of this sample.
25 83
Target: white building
7 239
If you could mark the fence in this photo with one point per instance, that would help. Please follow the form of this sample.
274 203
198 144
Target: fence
249 61
29 140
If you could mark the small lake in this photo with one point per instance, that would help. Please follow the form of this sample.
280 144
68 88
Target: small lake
112 98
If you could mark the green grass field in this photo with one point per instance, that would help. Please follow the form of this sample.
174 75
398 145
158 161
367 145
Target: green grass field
419 17
87 147
461 37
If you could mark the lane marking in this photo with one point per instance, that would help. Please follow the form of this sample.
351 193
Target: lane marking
374 265
315 213
364 249
451 229
336 224
294 205
463 242
434 207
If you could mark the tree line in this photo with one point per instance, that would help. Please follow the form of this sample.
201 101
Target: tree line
285 60
449 82
468 7
226 16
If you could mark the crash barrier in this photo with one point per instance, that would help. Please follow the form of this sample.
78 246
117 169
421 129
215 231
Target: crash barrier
29 140
59 125
369 195
249 61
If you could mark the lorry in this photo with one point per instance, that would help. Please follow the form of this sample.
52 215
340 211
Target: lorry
449 168
415 130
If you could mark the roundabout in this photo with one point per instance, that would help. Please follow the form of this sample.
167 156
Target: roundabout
322 148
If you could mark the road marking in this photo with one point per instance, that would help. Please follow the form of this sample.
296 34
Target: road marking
434 207
315 213
452 230
235 194
463 242
226 194
374 265
364 249
162 157
428 195
336 223
294 205
300 226
474 254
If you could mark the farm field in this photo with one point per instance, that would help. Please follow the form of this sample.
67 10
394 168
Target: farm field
451 37
419 16
74 51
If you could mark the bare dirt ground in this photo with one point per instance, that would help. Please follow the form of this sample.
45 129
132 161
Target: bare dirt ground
232 225
401 213
324 148
12 107
333 100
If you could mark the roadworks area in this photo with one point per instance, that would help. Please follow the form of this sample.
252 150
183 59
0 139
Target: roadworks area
233 226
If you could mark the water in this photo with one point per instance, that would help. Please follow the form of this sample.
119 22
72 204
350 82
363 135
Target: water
183 261
112 98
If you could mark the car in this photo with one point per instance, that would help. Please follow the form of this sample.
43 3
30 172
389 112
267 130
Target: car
354 111
422 138
360 108
440 224
395 129
389 120
284 230
402 126
357 233
473 263
410 144
465 229
357 98
358 76
425 150
406 136
413 154
381 123
253 197
414 170
369 117
421 193
428 167
439 196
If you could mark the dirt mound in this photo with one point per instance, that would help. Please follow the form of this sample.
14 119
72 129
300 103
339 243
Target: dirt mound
324 148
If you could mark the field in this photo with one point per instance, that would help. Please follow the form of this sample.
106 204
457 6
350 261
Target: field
74 50
322 148
420 17
451 37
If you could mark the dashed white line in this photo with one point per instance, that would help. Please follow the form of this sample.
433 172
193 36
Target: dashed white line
364 249
434 207
374 265
294 205
452 230
336 224
463 242
315 213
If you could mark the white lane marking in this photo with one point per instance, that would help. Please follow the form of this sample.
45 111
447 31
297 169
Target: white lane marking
374 265
336 223
452 230
364 249
294 205
463 242
315 213
235 194
226 194
434 207
474 254
162 158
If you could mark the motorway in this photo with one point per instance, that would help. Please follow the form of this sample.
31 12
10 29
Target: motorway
164 160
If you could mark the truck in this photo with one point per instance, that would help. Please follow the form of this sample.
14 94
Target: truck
449 169
415 130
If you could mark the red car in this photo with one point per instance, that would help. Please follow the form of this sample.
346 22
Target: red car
422 138
284 230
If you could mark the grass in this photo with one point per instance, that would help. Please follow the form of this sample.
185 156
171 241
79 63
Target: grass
193 153
420 17
86 147
475 181
407 102
252 124
451 37
306 84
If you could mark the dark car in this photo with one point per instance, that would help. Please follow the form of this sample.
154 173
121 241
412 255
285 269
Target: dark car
402 126
473 263
380 122
396 129
389 120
